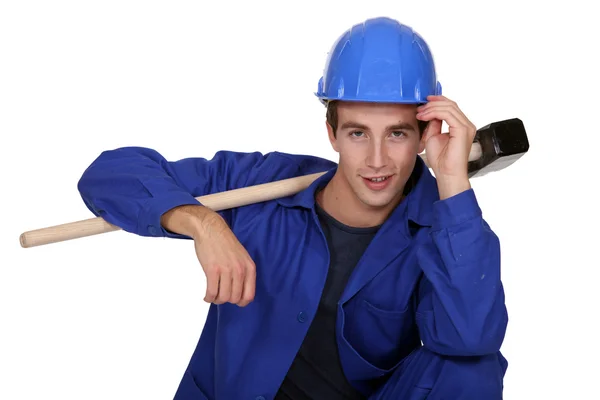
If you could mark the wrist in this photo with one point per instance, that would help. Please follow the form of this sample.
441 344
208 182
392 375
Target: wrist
205 223
189 220
449 186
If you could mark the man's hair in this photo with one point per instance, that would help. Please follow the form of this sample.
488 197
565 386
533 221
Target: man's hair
332 119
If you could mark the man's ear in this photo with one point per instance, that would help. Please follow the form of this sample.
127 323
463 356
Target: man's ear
332 138
422 143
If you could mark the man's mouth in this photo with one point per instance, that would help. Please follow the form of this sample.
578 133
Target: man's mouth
378 178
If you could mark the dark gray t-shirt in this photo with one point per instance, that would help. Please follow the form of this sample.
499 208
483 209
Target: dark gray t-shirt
316 372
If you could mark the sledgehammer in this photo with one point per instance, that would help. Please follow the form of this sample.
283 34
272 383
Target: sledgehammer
495 147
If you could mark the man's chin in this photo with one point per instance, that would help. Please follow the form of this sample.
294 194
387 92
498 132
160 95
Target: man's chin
382 200
379 199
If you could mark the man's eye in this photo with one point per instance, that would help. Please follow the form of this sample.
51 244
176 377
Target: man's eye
357 133
398 134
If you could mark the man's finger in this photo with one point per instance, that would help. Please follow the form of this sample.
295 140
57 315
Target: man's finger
212 285
249 285
438 101
458 117
237 283
433 128
445 114
224 287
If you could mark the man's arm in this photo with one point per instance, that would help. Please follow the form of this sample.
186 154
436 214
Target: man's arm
140 191
461 309
189 220
134 187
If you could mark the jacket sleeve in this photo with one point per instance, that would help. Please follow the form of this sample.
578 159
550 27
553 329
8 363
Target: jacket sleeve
461 309
132 187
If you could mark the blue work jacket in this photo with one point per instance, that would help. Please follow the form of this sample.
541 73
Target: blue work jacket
430 277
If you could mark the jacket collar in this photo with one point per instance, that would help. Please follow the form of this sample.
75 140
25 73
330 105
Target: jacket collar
418 203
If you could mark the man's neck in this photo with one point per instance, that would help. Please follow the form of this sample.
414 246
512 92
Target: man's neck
339 201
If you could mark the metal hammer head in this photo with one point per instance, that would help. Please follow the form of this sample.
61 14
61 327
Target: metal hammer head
502 143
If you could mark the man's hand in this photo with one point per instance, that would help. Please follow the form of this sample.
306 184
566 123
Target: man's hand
448 153
230 272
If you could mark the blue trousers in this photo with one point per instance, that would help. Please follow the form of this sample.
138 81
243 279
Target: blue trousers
426 375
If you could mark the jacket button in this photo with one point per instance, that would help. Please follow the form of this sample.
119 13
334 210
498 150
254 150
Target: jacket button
260 398
152 229
302 316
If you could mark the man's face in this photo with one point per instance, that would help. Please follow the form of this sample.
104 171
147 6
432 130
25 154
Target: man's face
377 144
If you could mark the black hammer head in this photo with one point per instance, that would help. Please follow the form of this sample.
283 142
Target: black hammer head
502 143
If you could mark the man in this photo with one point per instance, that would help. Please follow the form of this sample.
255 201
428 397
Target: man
378 281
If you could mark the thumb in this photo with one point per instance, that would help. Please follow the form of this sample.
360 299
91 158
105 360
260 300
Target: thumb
434 128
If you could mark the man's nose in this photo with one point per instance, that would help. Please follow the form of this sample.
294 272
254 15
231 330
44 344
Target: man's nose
377 156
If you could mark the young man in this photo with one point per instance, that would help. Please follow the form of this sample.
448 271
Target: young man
378 281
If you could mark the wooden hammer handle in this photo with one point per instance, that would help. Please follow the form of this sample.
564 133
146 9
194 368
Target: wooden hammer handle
216 202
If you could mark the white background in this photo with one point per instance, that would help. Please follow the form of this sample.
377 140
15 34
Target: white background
117 316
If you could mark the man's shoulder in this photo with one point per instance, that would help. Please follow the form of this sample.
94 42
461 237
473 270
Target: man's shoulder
277 165
308 163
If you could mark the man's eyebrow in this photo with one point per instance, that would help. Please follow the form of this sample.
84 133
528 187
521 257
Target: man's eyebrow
401 126
353 125
357 125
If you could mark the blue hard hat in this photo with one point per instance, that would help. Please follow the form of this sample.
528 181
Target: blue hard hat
379 60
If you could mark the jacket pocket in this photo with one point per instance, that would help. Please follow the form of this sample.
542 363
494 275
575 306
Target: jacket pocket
382 337
419 394
188 389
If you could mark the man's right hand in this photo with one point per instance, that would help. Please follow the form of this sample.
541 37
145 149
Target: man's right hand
230 271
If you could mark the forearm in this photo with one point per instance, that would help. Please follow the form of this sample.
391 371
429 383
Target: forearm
461 309
190 220
133 187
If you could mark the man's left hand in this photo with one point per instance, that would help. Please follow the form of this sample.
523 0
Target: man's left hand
447 153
